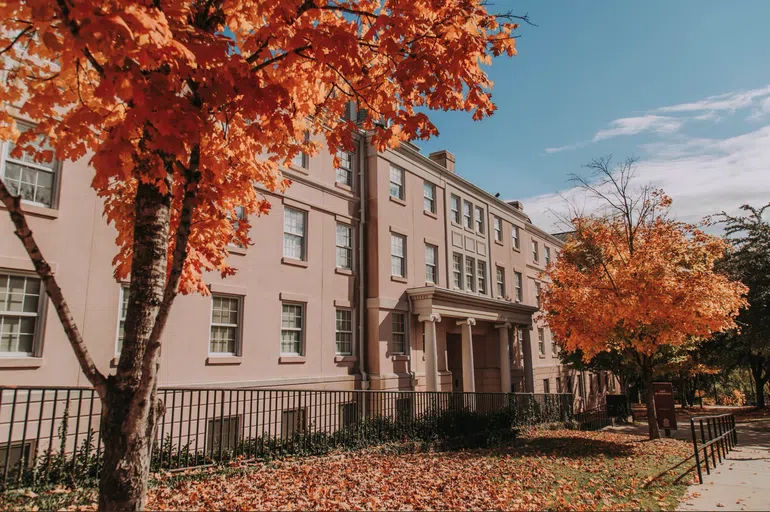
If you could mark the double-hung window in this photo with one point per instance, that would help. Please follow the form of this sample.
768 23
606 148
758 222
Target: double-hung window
344 334
554 348
500 274
546 386
540 341
480 219
34 181
515 236
455 208
429 197
520 340
345 170
344 246
498 228
225 324
396 182
470 274
517 286
301 159
547 254
482 276
538 287
397 255
468 214
457 271
294 245
398 329
431 265
123 305
292 329
535 252
20 313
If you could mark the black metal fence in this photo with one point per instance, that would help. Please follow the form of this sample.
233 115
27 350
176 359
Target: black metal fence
52 434
717 435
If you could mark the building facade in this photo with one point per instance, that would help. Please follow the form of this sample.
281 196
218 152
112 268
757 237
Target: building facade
391 272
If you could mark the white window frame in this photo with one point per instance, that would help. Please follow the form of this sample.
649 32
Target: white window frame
404 345
479 216
343 235
520 340
481 275
500 278
554 348
515 237
338 331
238 325
429 197
344 173
38 315
400 257
431 249
538 289
455 205
302 236
54 169
535 251
468 214
541 341
518 284
470 274
123 298
497 223
546 386
301 329
457 272
301 160
399 174
547 254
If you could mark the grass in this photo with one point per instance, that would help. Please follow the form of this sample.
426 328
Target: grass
544 469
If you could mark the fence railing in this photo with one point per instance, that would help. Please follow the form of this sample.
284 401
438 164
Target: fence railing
53 434
717 434
593 419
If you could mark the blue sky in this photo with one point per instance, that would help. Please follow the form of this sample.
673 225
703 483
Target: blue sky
683 85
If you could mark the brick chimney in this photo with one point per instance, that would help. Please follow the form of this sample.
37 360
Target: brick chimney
444 158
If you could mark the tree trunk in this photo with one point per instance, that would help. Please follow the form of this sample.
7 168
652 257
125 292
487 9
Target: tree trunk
760 379
130 410
649 400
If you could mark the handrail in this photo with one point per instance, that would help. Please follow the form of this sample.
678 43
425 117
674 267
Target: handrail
722 438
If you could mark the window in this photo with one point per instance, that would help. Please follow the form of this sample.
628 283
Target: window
515 236
547 254
344 332
520 339
455 207
240 215
348 414
398 327
123 305
470 274
293 422
569 385
431 267
429 197
498 228
397 255
294 234
468 214
344 246
457 271
581 386
345 170
517 285
301 159
500 282
396 182
554 348
20 310
33 181
482 276
292 329
403 409
223 434
546 386
225 324
20 453
590 384
479 219
535 252
558 384
537 293
540 341
599 382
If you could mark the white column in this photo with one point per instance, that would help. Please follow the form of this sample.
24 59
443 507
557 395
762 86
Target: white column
529 372
505 357
469 378
431 353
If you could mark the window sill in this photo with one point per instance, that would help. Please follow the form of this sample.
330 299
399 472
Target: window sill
499 242
236 249
541 356
37 211
21 362
398 279
345 359
517 249
291 360
430 214
456 224
301 170
223 360
293 262
397 200
343 271
343 186
430 283
400 357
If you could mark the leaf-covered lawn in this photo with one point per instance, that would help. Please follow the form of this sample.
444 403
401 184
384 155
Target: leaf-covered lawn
557 469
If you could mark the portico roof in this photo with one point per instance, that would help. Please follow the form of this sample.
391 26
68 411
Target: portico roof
457 304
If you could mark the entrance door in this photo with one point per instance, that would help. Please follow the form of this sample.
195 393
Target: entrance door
455 360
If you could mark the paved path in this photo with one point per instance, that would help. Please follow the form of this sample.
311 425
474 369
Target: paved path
741 482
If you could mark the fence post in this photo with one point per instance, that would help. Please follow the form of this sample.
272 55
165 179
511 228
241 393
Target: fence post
695 447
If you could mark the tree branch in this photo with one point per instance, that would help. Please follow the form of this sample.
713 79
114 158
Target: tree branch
16 39
43 269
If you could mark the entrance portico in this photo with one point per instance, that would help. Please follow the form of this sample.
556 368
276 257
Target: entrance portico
484 327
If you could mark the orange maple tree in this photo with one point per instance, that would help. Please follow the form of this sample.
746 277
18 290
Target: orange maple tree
186 108
638 286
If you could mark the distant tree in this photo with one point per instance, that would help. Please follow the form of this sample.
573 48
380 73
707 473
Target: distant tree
634 281
747 259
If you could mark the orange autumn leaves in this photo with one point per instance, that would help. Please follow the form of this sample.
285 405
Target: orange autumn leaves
638 290
231 87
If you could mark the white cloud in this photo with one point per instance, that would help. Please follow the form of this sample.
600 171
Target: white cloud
703 176
636 125
568 147
730 102
761 111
